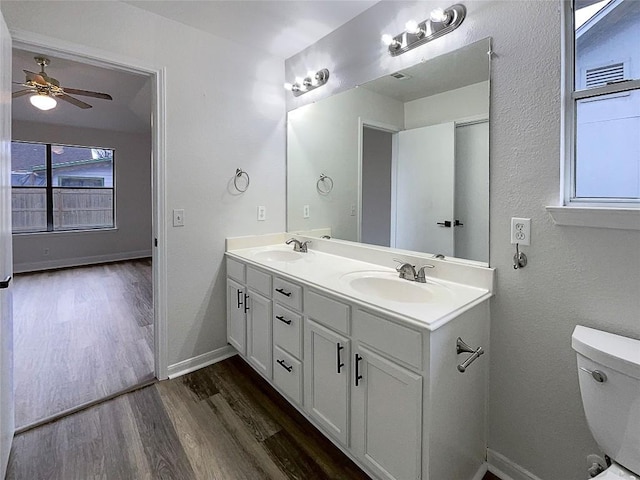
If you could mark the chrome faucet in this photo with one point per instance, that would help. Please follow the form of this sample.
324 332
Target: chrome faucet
408 271
297 245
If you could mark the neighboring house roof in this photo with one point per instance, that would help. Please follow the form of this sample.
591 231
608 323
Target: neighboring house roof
603 19
23 155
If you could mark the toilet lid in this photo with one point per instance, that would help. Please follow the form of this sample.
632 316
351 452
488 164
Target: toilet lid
616 472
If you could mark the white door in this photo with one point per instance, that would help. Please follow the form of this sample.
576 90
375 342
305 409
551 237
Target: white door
424 189
236 316
6 255
386 407
259 337
472 191
326 395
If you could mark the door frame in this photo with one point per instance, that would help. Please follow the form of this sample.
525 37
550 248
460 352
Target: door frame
385 127
100 58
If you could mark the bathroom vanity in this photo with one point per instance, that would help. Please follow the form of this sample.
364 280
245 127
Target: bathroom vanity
368 357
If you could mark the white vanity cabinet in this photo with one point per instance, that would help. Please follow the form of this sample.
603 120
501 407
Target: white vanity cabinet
249 308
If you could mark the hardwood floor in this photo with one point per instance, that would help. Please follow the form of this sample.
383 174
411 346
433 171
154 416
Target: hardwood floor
80 334
223 422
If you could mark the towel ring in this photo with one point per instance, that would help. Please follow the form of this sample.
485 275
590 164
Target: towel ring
323 181
239 174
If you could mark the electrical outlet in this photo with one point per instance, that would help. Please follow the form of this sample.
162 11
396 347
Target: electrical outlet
262 213
45 252
305 211
178 217
520 231
353 209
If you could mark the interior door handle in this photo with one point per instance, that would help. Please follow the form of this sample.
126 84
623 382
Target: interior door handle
5 283
458 223
446 223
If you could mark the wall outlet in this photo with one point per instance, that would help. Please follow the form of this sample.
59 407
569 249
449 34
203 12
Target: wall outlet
262 213
353 209
521 231
305 211
178 217
45 252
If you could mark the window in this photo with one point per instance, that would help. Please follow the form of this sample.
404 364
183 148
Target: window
603 106
60 187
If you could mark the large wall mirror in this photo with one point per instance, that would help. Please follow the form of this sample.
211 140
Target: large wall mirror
401 161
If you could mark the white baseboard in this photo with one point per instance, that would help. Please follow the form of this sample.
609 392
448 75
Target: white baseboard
201 361
79 261
481 472
506 469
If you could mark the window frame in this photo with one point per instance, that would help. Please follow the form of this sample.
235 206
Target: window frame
49 190
571 97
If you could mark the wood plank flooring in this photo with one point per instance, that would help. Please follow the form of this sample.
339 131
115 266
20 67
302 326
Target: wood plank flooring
80 334
223 422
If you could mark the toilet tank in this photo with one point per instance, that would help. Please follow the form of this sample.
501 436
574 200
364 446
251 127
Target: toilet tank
612 407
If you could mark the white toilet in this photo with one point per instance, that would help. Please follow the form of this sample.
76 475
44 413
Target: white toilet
609 374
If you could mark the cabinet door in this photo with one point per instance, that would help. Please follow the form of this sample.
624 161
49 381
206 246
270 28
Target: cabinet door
326 365
259 339
236 317
387 416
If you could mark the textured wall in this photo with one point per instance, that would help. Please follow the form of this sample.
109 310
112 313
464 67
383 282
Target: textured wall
575 275
221 114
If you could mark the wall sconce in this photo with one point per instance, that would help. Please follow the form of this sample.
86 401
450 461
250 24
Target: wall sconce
439 23
312 81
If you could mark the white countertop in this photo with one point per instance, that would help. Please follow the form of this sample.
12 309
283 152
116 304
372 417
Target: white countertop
326 271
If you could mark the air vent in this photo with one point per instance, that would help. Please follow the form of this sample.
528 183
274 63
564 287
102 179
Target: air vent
598 77
400 76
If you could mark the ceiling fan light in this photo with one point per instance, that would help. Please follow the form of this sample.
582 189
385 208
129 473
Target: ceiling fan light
43 101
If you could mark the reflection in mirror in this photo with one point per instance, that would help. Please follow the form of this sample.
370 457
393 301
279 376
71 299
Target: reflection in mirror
408 155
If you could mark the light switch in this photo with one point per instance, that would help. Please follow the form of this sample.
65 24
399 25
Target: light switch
178 217
305 211
262 213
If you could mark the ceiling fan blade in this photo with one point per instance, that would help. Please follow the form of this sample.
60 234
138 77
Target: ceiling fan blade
35 77
20 93
87 93
73 101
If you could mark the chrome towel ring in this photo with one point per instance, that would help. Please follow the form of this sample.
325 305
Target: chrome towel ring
239 174
324 184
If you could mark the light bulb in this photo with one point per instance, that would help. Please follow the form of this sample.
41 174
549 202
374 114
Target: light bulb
43 101
412 27
299 80
314 78
387 39
438 15
288 86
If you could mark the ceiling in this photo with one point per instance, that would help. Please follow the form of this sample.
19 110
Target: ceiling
129 111
279 27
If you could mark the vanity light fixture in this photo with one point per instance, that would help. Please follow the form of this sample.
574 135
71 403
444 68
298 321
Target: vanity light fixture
312 81
43 101
439 23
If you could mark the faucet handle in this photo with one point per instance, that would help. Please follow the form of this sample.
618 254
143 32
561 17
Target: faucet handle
421 276
303 245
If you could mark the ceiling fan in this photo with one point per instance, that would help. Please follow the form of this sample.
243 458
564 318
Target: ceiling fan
45 89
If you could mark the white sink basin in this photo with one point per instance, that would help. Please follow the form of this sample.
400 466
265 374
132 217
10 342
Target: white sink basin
388 286
279 255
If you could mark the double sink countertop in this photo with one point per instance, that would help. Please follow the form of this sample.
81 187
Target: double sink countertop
371 284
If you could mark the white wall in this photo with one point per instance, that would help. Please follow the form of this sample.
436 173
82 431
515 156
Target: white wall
458 104
575 275
133 236
233 119
323 138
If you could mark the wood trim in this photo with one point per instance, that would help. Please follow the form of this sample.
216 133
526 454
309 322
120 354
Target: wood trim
79 261
195 363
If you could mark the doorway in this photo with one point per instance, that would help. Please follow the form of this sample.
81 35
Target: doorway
140 284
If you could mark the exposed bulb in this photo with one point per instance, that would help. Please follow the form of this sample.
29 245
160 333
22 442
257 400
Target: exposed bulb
314 78
288 86
43 101
412 27
438 15
387 39
299 80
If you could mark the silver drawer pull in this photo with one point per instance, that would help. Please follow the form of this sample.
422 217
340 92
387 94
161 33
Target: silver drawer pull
598 375
282 363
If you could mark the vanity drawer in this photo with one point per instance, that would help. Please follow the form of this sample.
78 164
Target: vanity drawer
327 311
395 340
287 293
287 329
259 281
287 374
235 270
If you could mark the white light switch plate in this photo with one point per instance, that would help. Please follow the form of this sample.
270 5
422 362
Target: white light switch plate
262 213
178 217
305 211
